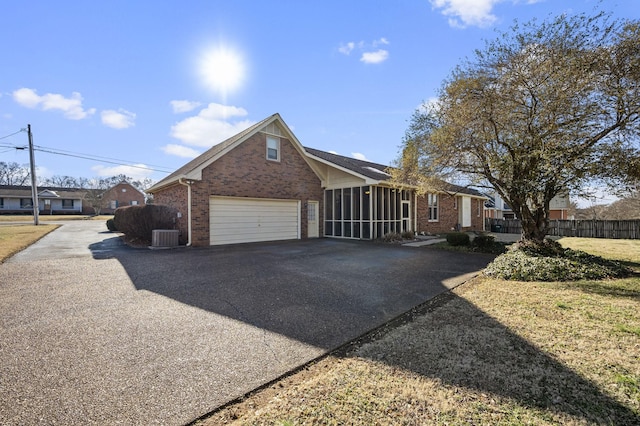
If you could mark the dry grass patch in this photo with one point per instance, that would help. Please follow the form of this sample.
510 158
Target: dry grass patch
16 238
622 250
50 218
490 352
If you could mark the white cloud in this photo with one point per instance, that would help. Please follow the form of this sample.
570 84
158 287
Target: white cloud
370 52
374 57
333 152
71 107
359 156
212 125
431 104
180 151
120 119
381 40
347 48
135 171
464 13
184 106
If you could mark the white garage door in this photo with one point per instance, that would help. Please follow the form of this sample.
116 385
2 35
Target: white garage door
247 220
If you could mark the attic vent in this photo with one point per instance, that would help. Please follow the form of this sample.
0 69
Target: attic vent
272 129
164 238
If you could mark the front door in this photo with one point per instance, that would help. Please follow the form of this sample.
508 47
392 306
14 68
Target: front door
312 220
406 216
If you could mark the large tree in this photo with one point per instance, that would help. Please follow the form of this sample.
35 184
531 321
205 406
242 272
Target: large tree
14 174
542 110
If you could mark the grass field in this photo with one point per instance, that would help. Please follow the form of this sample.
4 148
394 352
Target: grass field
49 218
490 352
16 238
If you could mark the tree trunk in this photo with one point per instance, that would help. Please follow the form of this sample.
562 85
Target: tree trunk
535 224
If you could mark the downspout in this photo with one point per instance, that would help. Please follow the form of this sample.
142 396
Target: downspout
188 185
415 213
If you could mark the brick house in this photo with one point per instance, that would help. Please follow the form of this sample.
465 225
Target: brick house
263 185
122 194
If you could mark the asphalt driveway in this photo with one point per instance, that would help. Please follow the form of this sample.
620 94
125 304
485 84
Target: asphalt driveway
93 332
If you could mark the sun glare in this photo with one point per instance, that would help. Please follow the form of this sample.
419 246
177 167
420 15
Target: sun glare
222 70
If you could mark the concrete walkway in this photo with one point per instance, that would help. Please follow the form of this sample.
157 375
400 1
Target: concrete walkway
504 238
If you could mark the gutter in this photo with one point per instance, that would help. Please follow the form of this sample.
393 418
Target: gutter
187 183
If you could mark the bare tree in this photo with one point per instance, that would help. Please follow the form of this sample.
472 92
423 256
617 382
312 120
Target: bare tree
59 181
14 174
541 111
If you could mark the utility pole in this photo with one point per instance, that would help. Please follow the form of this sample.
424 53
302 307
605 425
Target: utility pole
34 188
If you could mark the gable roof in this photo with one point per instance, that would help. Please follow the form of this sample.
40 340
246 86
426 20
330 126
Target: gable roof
18 191
364 168
375 173
193 169
378 172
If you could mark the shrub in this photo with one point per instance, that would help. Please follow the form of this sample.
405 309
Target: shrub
140 221
458 238
407 235
486 243
391 237
111 225
526 263
483 240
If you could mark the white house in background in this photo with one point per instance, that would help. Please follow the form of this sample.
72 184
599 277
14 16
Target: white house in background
17 200
496 208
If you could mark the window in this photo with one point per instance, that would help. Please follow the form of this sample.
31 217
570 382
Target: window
25 203
273 148
67 204
432 202
134 203
113 204
1 203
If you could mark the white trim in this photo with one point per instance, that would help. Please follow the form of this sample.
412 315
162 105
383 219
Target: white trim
275 139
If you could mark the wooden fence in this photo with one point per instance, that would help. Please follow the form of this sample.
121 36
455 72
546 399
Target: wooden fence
617 229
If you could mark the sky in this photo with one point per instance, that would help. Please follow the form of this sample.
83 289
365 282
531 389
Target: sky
141 87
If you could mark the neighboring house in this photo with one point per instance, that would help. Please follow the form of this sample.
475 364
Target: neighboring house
122 194
263 185
51 200
497 208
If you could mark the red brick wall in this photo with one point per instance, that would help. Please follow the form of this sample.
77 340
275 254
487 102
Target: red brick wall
245 172
176 196
123 198
448 215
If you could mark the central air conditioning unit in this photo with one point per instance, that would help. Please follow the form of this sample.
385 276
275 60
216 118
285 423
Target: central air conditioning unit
161 238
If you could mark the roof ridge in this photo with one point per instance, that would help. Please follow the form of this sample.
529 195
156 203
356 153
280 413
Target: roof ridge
347 158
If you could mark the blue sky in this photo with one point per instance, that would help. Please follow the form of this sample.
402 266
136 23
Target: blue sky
156 83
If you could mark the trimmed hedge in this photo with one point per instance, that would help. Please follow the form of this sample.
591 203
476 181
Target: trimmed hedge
111 225
140 221
458 238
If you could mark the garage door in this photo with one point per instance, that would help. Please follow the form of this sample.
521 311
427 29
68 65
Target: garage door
247 220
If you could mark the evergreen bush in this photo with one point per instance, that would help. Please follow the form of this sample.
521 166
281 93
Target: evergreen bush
550 263
458 238
140 221
111 225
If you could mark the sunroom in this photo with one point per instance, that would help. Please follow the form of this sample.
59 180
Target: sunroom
366 212
358 201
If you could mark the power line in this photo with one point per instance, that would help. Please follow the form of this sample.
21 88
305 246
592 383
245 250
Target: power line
13 134
119 163
97 157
